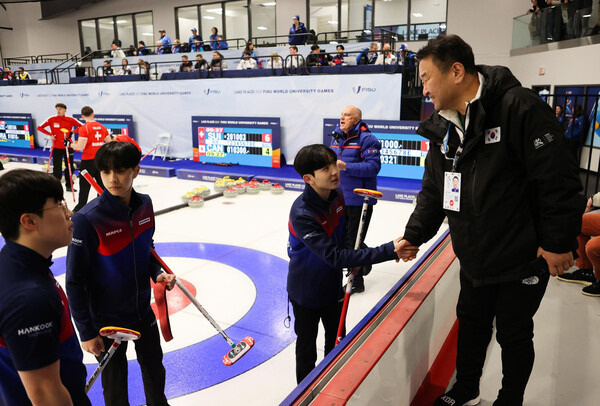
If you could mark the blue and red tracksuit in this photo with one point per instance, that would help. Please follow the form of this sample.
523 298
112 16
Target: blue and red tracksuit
109 265
359 149
35 326
318 249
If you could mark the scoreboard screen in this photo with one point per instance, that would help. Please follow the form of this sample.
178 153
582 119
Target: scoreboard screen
248 141
403 152
116 124
15 130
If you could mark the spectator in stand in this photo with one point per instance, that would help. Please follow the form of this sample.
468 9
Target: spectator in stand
296 29
318 58
159 50
142 50
247 62
140 70
214 38
131 51
250 50
222 44
293 61
91 138
186 65
116 51
195 41
588 262
196 46
22 75
575 129
5 74
373 53
581 23
176 48
165 41
338 59
217 62
387 56
125 68
560 116
274 61
201 63
363 57
107 69
60 127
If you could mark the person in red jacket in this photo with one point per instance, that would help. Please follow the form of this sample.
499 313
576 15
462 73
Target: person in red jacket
91 138
60 126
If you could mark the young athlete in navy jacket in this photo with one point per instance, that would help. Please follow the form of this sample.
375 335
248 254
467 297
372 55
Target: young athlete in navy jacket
109 271
318 249
40 358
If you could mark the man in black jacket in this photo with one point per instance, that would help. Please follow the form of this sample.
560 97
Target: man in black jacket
514 216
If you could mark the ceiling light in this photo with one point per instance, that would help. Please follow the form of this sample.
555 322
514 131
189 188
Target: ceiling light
121 21
215 10
417 15
262 28
148 34
269 4
209 17
332 22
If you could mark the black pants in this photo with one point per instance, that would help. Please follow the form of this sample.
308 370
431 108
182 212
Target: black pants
149 356
306 327
84 186
513 304
58 155
352 223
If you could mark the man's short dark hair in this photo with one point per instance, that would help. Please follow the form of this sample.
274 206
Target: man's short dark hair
312 158
340 46
24 191
117 155
87 111
314 46
445 50
294 47
61 105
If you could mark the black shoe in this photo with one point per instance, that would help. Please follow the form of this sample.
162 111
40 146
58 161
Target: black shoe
592 290
456 397
582 276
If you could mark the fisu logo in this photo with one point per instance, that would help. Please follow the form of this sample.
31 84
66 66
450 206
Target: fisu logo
359 89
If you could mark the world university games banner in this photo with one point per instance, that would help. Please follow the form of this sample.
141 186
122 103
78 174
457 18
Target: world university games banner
15 130
249 141
403 152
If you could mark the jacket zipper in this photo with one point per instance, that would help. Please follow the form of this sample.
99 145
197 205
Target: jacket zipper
137 289
473 178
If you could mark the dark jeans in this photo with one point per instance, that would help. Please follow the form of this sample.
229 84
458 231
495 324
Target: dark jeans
306 327
149 356
352 223
58 155
513 304
84 185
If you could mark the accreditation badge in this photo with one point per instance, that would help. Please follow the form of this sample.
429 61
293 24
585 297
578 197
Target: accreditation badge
452 186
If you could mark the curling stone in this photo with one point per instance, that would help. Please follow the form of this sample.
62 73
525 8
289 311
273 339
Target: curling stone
252 189
277 189
196 201
230 192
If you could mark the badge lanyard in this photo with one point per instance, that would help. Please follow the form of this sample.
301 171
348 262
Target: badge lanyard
459 150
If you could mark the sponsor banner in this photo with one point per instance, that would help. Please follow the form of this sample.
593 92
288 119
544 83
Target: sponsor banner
301 103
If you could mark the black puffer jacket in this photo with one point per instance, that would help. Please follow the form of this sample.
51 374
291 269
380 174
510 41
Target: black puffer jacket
519 192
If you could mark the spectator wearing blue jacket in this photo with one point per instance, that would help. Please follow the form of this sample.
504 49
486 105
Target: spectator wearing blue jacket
214 38
297 28
319 248
165 42
359 162
192 41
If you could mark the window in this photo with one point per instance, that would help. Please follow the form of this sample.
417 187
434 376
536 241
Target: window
392 15
263 21
324 15
428 19
187 18
236 19
212 16
128 29
356 17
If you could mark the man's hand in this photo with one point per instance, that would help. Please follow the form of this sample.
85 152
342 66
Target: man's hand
405 250
557 263
341 165
94 346
168 278
67 142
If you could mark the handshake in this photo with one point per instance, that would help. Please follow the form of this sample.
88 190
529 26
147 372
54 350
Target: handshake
405 250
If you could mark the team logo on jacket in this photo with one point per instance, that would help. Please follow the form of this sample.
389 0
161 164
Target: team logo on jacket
144 221
532 280
492 135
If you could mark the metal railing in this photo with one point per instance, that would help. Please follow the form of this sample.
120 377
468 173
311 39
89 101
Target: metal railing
308 39
338 36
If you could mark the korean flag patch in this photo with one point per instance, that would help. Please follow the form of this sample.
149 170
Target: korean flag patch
492 135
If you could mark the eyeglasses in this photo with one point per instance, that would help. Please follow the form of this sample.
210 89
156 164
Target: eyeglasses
62 204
